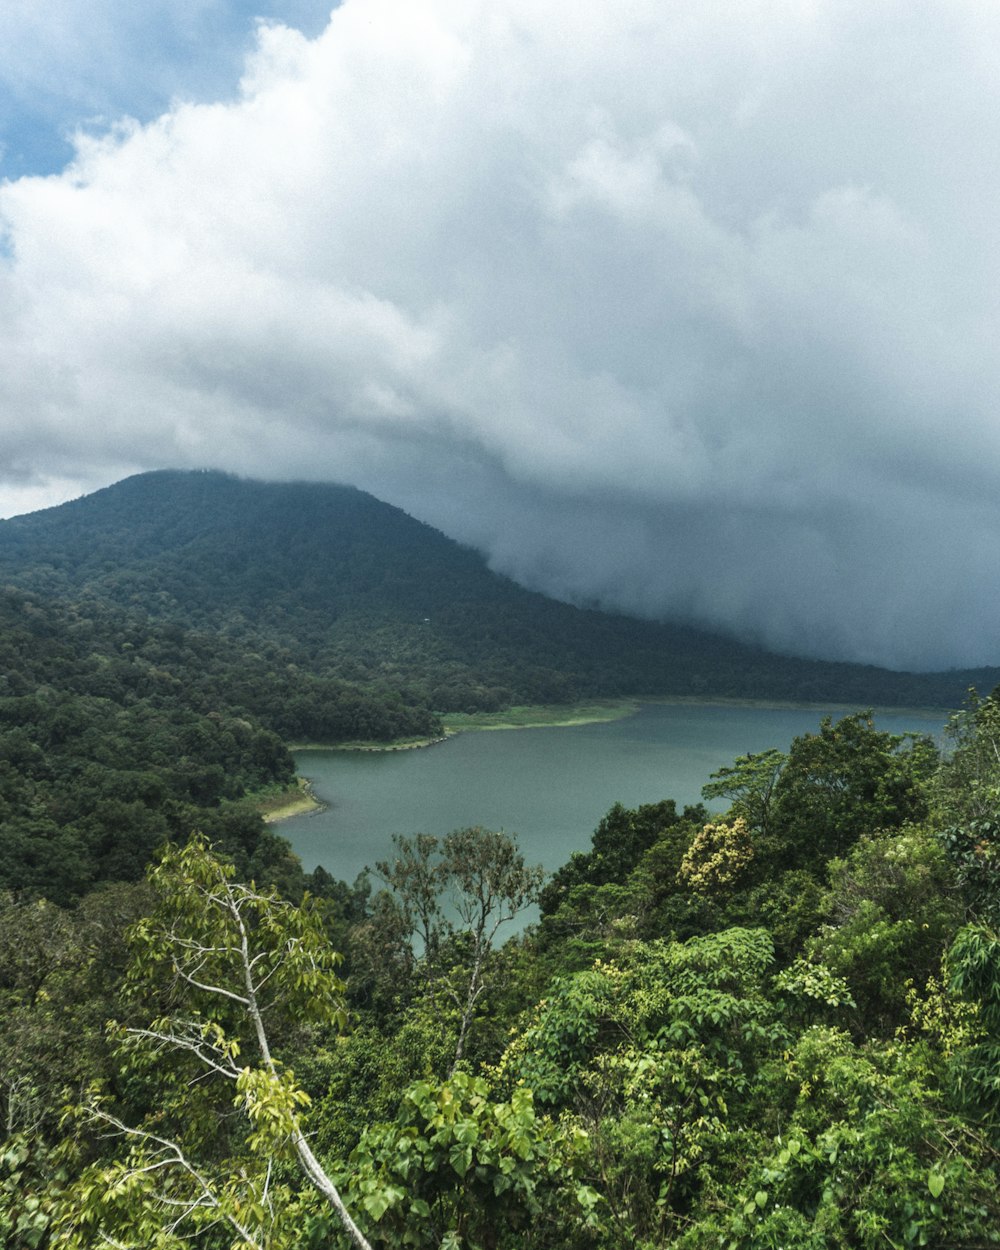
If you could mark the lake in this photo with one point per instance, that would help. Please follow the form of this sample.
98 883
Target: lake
550 786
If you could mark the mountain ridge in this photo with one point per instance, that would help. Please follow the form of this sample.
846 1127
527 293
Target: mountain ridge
356 588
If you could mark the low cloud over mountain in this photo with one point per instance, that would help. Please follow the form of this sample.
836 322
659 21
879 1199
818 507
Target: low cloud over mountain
688 310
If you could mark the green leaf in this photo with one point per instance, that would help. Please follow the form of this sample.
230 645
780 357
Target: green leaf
935 1183
376 1204
760 1197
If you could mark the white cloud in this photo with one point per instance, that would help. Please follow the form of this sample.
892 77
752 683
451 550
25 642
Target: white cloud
689 309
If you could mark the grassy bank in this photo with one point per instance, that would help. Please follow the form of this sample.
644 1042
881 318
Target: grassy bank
400 744
295 800
543 715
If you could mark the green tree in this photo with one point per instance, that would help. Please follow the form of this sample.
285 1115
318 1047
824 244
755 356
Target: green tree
657 1055
869 1155
60 979
417 878
749 784
474 876
848 779
617 845
967 785
460 1171
967 797
231 969
891 909
973 976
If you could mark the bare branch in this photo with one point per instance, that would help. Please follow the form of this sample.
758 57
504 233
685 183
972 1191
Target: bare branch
195 1043
174 1157
219 990
250 940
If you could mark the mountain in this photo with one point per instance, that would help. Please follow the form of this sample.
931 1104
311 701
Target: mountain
351 589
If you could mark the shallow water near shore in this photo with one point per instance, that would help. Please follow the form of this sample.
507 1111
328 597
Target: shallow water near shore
550 786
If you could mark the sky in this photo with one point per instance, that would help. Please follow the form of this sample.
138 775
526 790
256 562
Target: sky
687 310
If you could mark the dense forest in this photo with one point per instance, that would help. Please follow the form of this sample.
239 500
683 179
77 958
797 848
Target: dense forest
349 589
775 1027
116 733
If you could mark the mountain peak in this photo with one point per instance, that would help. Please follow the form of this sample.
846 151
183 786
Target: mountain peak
352 585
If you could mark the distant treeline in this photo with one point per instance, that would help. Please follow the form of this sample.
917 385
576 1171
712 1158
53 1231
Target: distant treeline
116 733
346 588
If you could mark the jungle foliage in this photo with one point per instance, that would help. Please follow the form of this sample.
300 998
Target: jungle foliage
117 733
347 589
773 1026
777 1026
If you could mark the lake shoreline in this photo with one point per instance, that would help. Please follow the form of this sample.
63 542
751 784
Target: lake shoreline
794 705
601 711
551 788
303 802
543 715
297 800
401 744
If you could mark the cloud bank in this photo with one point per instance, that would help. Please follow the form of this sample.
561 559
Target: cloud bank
686 310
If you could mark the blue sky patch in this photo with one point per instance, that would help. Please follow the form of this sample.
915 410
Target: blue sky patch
83 64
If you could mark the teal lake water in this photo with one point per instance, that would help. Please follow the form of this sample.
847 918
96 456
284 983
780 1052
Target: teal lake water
549 786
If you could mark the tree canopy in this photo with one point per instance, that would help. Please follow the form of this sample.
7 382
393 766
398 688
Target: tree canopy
683 1052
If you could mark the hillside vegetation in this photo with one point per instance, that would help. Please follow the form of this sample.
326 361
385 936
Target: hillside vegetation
117 732
352 589
774 1028
163 640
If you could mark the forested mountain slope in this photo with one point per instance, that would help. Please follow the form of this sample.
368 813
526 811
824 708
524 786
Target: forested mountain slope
117 732
355 589
777 1027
